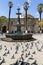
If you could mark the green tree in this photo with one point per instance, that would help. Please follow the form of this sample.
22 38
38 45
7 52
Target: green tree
41 23
10 4
39 8
26 5
3 19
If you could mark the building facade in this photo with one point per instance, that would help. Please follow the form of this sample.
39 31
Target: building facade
31 21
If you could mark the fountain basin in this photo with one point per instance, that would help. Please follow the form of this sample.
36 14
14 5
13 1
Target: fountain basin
21 36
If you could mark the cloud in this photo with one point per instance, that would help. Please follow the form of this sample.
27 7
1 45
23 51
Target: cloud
29 1
37 14
22 11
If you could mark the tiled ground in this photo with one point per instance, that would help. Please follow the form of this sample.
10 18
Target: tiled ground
31 52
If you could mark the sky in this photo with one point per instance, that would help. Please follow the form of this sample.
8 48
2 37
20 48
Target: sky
4 9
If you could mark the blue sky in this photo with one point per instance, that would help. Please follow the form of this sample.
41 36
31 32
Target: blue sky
4 9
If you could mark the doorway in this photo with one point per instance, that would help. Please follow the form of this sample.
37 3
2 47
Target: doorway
4 29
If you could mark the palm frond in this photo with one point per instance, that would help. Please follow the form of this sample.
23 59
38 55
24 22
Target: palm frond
10 4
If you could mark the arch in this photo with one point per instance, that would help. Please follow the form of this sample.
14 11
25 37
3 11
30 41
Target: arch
4 29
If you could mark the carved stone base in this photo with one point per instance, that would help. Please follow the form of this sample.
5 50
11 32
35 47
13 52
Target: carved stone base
20 36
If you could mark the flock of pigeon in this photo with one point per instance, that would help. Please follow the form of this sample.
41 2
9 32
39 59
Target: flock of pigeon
21 53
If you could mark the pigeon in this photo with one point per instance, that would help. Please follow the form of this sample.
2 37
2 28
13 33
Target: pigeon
26 49
0 58
22 54
0 47
3 61
4 54
34 63
34 52
6 49
16 52
22 58
17 47
8 52
17 63
38 49
13 57
26 55
29 53
22 63
5 46
31 45
25 63
11 48
31 58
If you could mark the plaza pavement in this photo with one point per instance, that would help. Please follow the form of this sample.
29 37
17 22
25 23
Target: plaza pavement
30 52
38 36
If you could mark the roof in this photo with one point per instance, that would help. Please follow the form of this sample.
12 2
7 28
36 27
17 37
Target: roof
28 16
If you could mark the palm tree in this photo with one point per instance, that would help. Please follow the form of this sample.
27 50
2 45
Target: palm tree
26 8
10 4
39 8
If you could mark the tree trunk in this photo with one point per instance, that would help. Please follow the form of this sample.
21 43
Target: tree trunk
9 19
26 19
40 17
